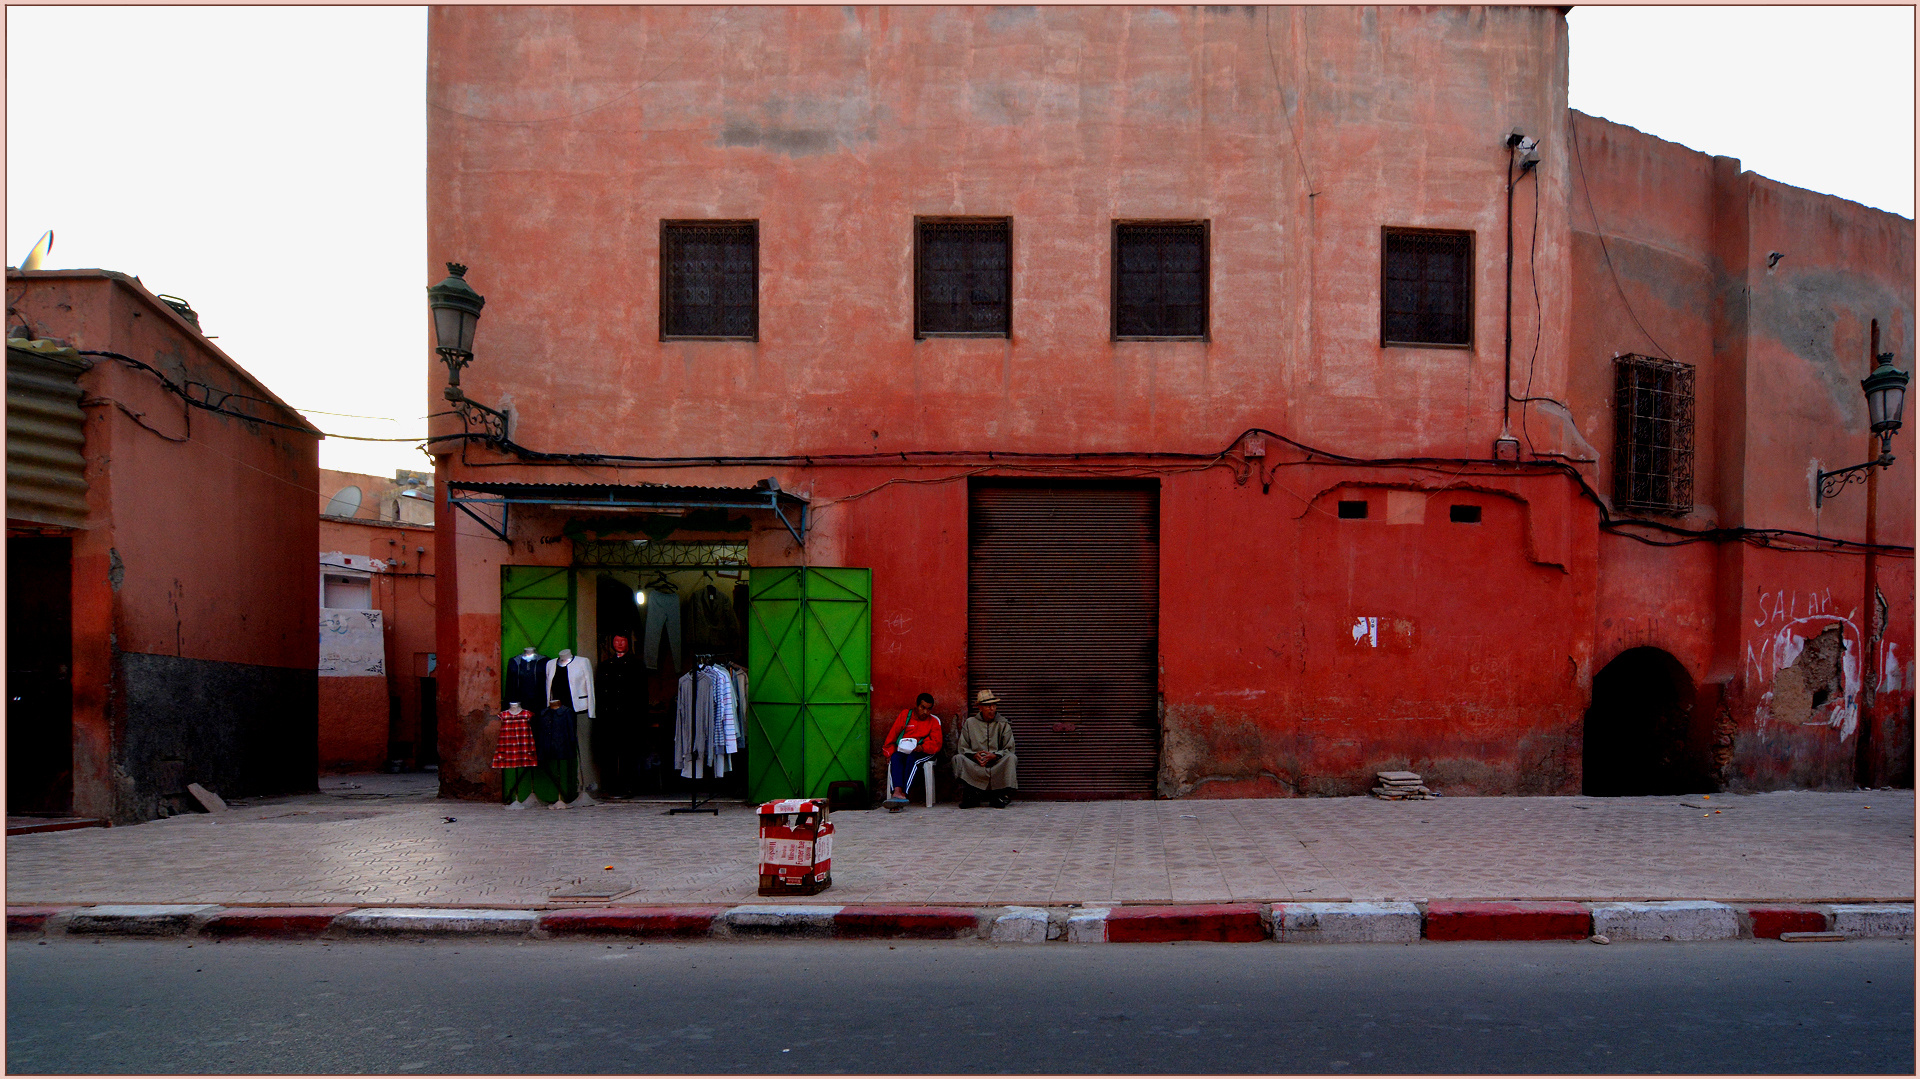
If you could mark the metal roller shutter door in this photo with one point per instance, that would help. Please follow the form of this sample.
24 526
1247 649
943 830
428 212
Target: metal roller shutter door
1063 624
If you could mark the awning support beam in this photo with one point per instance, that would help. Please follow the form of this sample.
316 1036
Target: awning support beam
461 505
772 503
800 536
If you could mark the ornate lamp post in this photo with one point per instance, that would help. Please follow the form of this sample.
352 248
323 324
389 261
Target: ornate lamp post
456 314
1886 390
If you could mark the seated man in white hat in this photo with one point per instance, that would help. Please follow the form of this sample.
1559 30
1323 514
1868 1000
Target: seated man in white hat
983 760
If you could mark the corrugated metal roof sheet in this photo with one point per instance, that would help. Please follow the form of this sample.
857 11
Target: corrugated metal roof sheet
624 492
46 434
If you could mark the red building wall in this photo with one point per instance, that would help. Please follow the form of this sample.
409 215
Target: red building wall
559 139
1780 345
193 585
357 731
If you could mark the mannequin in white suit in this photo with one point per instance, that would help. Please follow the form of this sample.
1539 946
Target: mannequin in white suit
580 685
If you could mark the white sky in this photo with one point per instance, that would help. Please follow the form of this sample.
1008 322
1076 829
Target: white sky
269 164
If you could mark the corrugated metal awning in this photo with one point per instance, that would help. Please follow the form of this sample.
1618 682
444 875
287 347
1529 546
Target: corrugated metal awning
46 434
463 495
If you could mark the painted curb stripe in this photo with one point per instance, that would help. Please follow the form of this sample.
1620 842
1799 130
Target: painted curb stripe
673 922
1507 921
911 923
273 922
1225 923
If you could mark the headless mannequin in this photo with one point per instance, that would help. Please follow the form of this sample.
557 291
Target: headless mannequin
583 730
514 706
523 676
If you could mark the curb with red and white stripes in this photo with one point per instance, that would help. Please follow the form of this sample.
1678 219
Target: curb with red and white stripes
1285 923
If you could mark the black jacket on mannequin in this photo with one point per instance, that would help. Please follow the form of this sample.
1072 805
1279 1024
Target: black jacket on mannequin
524 675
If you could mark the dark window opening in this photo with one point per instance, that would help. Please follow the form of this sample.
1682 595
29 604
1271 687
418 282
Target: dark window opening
1466 515
1426 288
1353 510
709 280
1653 435
962 278
1160 280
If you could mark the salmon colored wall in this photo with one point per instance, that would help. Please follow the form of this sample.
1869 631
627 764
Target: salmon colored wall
177 543
1064 119
198 550
1779 351
353 724
404 593
1296 134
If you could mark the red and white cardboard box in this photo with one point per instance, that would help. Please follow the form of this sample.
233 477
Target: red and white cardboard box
796 841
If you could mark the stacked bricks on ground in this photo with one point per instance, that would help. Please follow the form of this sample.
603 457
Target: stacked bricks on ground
1400 787
1396 922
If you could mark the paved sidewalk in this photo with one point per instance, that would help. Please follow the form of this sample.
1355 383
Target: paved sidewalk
374 840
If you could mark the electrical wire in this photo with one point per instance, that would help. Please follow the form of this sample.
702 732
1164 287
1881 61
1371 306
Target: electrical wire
139 417
211 405
1539 321
1000 460
1600 234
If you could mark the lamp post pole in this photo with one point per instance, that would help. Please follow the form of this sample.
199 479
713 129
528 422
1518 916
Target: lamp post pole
1863 768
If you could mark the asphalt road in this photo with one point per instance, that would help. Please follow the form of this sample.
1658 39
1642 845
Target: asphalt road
812 1007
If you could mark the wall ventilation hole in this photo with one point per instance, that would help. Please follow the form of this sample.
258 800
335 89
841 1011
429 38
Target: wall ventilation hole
1353 510
1466 515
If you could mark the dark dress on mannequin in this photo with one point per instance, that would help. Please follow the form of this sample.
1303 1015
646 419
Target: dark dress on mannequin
556 740
622 704
523 681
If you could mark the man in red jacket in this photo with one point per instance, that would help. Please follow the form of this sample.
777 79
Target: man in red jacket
915 737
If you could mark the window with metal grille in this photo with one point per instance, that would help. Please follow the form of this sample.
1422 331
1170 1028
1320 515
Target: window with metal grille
1426 288
1653 435
709 280
1160 280
962 278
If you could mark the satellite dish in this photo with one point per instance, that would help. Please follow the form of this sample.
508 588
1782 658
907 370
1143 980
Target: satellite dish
39 253
344 504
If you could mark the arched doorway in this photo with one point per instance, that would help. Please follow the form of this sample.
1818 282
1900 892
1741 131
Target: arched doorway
1640 730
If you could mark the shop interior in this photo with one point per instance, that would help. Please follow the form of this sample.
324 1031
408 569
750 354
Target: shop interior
647 630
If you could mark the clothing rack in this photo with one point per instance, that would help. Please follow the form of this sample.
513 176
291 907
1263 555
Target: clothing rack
695 803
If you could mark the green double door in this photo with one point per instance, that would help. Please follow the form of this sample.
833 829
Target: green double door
809 667
809 679
536 611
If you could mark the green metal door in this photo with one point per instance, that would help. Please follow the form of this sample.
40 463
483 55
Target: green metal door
809 679
536 611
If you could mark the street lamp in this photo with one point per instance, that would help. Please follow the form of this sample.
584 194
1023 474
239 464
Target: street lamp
1886 390
456 314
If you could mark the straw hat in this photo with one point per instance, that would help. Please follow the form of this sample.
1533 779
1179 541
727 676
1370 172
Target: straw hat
985 696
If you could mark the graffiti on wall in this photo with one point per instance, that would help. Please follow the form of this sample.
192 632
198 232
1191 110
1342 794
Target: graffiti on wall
351 643
1808 655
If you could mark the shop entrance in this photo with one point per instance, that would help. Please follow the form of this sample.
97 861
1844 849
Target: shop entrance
39 675
1640 735
1063 604
659 639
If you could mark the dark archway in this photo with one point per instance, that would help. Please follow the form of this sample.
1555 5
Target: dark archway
1640 730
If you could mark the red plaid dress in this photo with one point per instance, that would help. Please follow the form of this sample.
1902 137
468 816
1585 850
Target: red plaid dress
516 741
